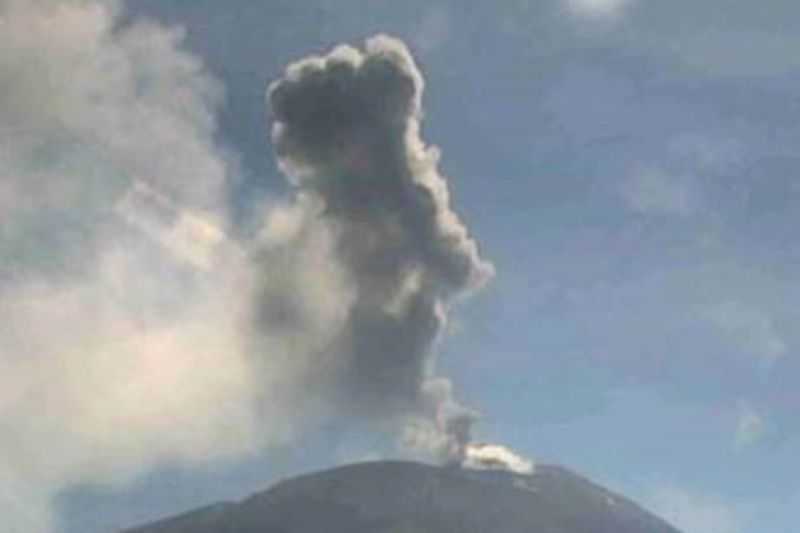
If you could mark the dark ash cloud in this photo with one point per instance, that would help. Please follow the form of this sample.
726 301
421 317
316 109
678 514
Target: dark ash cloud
346 128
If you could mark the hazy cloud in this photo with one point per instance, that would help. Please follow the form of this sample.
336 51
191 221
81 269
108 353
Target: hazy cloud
751 329
694 513
652 191
119 343
751 427
595 8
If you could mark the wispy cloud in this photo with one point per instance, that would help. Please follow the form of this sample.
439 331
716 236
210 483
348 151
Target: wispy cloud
750 329
751 426
693 512
654 191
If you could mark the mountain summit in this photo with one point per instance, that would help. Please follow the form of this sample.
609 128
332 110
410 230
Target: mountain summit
405 497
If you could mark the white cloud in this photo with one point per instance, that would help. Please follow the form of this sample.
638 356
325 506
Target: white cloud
117 353
694 513
751 426
496 457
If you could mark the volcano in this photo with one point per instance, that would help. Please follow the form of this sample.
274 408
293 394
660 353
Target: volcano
406 497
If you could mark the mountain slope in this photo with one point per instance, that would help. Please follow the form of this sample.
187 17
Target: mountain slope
404 497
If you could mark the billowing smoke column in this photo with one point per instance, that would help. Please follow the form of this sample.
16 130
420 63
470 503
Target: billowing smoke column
347 133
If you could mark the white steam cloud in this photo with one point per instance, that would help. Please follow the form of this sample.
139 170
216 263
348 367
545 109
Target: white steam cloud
496 457
116 351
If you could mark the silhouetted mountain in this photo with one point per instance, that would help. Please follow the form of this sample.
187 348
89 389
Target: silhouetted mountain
404 497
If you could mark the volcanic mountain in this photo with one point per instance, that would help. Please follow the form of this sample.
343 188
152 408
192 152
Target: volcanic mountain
405 497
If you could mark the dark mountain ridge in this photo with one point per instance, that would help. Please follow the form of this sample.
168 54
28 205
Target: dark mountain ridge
406 497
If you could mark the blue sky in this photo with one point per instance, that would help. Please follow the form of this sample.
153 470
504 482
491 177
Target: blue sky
630 167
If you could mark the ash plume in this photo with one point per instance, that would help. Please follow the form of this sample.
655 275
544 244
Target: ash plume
346 128
135 331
